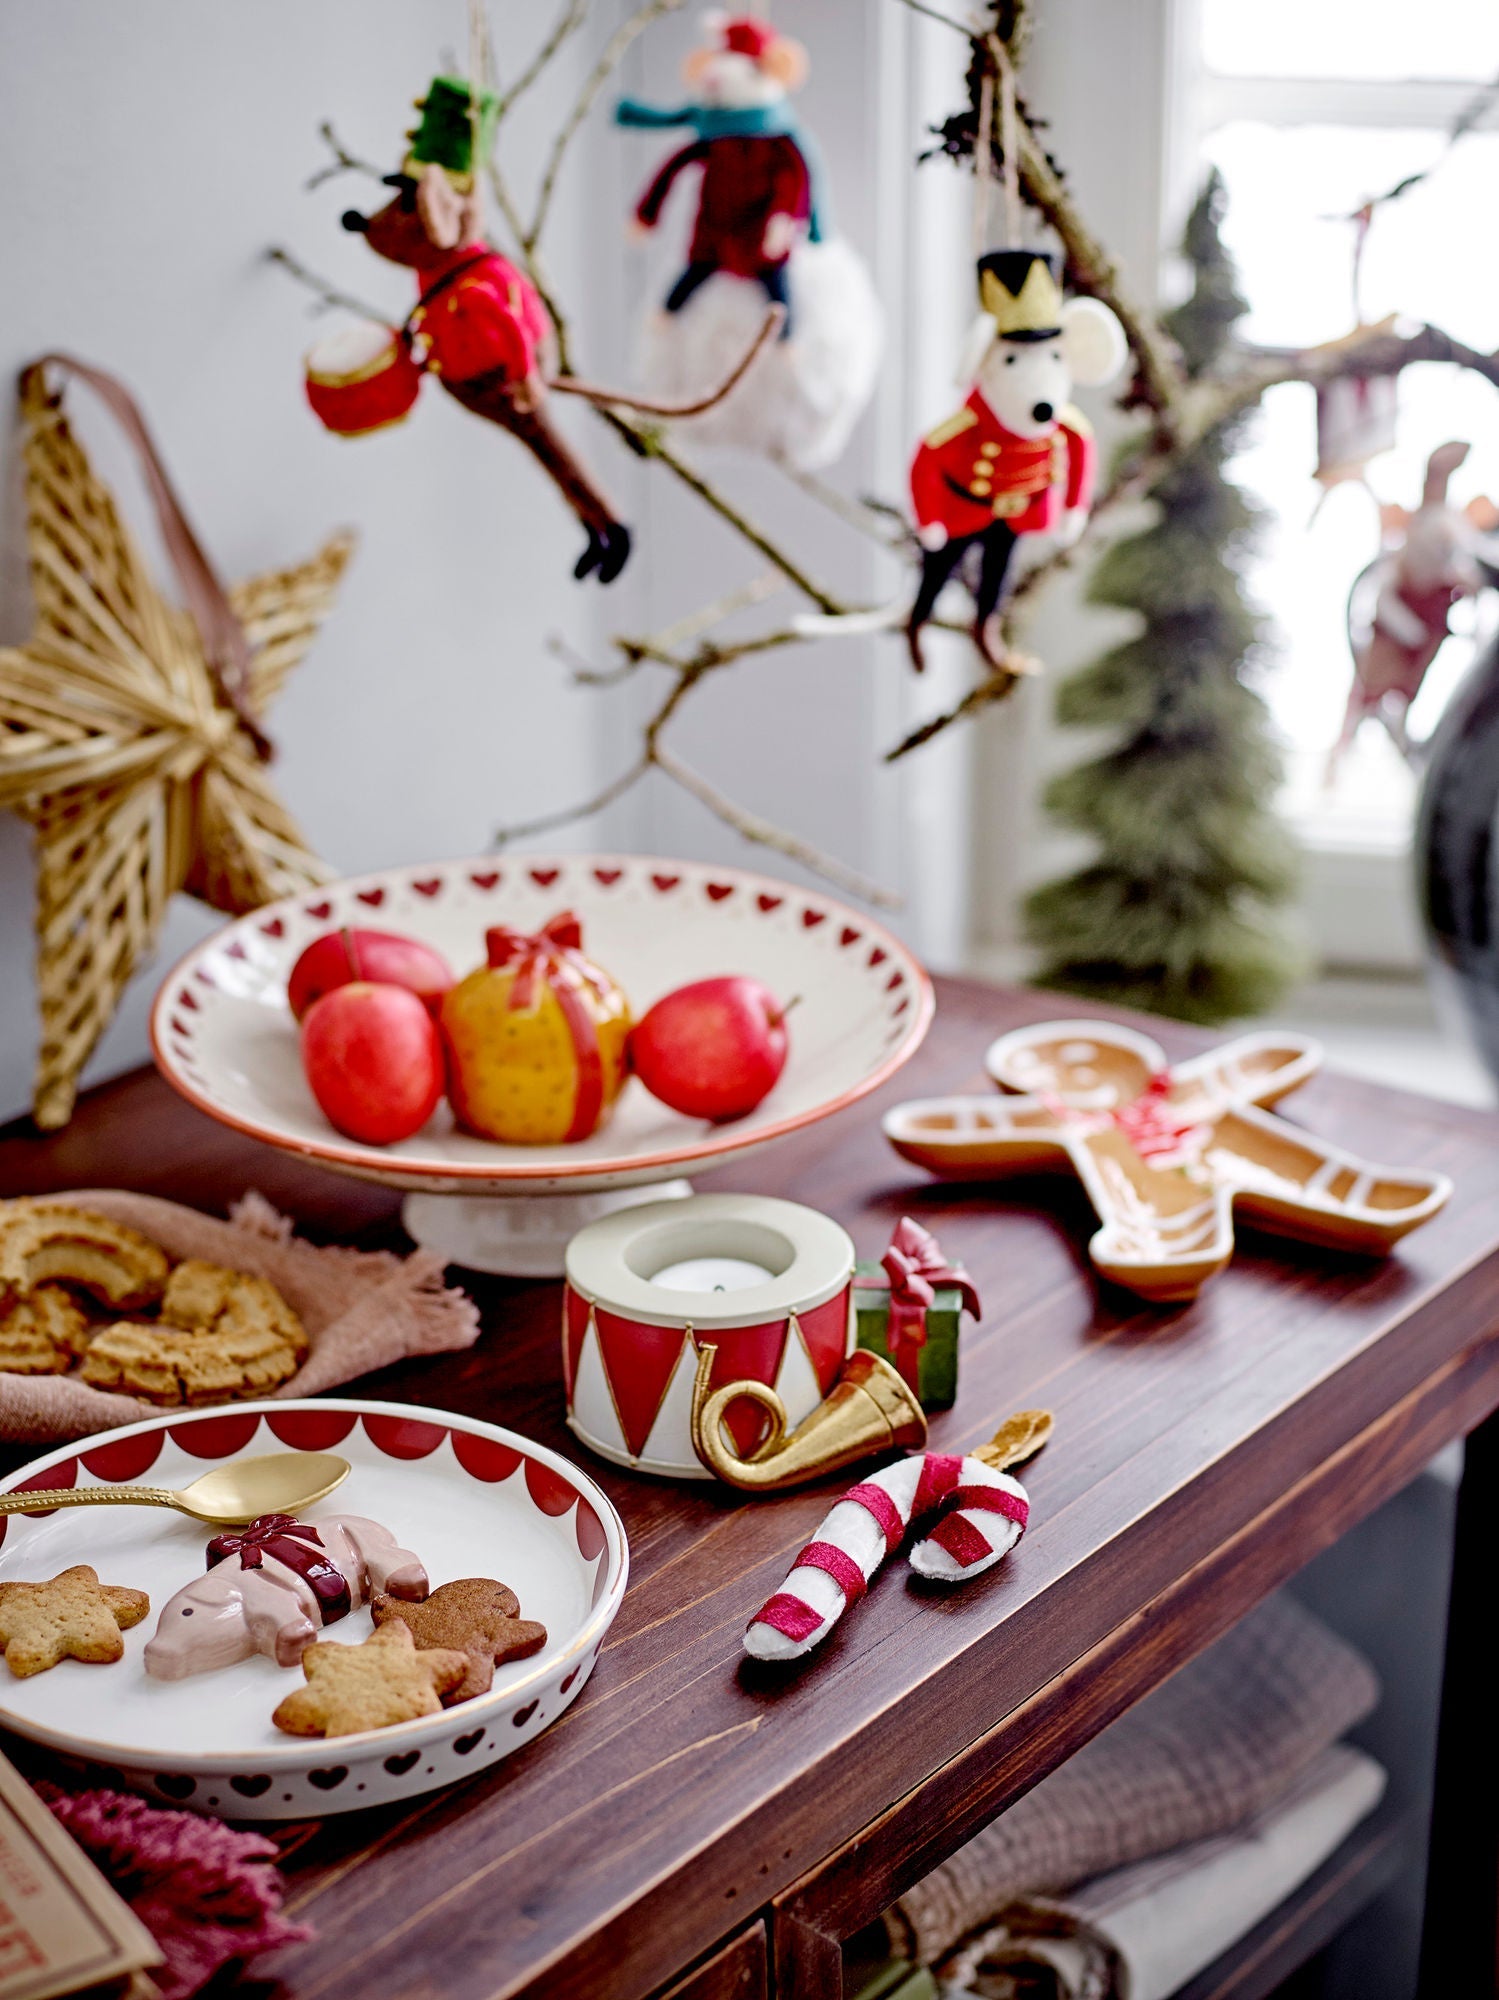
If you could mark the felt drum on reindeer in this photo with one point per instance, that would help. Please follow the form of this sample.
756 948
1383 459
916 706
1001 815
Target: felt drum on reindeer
766 1283
362 378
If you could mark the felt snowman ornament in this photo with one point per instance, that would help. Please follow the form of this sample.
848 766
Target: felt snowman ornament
761 232
1018 458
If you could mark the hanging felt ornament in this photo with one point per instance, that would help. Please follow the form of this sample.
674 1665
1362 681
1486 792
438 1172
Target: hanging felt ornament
968 1513
762 231
479 324
1400 605
1018 457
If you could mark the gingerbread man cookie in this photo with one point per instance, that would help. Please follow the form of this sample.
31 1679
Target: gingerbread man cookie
72 1617
477 1617
371 1686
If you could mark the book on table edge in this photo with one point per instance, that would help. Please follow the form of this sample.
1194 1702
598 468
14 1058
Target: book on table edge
63 1930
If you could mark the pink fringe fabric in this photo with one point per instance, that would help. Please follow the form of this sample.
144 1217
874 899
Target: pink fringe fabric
207 1894
362 1309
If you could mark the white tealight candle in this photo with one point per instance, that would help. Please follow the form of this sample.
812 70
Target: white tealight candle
711 1274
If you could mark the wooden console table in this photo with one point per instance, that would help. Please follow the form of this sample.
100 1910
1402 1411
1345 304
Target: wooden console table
700 1827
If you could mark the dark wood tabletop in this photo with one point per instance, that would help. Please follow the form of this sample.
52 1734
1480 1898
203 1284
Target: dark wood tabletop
1201 1455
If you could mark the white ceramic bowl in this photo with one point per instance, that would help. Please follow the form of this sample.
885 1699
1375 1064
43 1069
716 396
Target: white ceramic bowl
467 1497
223 1036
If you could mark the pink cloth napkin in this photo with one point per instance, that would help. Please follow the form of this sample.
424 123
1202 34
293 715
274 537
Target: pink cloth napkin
362 1308
207 1894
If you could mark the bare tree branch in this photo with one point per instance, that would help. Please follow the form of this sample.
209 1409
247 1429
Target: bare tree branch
1181 413
329 295
598 76
572 17
343 161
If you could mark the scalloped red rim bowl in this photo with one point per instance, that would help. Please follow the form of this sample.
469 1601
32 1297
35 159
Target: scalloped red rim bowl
223 1036
470 1498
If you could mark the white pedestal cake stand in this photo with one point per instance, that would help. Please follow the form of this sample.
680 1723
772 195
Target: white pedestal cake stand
223 1035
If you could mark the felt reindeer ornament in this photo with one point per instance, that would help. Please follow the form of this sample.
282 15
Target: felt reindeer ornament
1018 458
761 231
479 325
1436 556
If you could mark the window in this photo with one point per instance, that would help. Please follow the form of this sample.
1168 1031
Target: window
1309 108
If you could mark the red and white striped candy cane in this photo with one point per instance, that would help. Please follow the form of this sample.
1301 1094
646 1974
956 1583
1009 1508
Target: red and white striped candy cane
973 1510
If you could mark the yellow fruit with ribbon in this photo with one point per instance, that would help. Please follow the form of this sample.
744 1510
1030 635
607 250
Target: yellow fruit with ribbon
535 1038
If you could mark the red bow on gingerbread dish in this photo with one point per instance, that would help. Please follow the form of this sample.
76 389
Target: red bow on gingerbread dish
298 1548
914 1266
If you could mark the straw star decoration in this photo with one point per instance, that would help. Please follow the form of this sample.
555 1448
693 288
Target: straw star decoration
129 731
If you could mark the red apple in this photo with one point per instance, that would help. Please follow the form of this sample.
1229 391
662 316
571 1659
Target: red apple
338 957
712 1049
373 1057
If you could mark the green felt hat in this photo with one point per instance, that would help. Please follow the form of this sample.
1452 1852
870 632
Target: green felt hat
445 135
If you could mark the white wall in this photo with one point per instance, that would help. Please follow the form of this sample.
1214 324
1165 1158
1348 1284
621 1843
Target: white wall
151 151
160 147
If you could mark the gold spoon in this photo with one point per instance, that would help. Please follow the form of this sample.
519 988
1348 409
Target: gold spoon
278 1482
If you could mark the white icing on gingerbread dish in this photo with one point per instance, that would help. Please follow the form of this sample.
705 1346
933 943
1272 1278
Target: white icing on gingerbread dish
432 1497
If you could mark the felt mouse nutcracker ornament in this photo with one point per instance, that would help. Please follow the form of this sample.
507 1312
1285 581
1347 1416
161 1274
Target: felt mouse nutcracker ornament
479 324
1018 458
760 231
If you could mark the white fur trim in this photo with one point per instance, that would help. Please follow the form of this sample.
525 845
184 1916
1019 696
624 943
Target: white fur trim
802 396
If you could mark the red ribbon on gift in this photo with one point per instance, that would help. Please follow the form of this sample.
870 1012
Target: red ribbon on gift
553 957
296 1545
914 1267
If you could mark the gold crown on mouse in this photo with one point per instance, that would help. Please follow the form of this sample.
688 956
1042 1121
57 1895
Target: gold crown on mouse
1019 290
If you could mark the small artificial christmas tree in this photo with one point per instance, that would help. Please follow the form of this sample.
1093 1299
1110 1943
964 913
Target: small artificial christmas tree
1178 912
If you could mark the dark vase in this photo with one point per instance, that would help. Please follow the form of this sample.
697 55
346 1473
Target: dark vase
1457 852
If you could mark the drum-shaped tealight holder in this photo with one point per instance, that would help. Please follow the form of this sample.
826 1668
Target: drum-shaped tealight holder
767 1283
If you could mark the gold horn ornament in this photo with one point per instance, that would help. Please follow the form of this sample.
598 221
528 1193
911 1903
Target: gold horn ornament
869 1409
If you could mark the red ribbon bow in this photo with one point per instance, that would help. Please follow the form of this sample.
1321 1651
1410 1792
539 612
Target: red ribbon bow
553 957
299 1548
1153 1127
914 1267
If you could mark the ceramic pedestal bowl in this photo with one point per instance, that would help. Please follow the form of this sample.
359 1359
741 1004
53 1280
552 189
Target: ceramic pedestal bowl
223 1036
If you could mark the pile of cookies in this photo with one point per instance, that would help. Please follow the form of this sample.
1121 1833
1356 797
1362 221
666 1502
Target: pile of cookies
266 1590
197 1332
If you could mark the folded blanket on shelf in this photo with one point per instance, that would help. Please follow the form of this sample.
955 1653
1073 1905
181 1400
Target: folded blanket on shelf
1142 1932
1222 1740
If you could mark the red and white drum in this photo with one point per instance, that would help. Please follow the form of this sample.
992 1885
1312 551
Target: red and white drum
768 1283
362 378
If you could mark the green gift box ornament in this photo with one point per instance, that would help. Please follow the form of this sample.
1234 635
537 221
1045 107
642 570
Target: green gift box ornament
908 1307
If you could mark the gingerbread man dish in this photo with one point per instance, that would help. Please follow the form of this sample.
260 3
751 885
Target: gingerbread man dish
1166 1153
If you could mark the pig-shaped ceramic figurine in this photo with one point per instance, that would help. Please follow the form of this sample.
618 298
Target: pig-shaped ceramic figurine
271 1587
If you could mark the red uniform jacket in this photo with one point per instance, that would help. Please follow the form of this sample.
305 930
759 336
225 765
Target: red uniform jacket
971 472
745 182
478 313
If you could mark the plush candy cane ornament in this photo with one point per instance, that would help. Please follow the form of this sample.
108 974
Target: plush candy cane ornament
973 1510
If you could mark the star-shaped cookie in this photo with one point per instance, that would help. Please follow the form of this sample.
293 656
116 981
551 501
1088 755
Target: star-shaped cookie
72 1617
475 1616
371 1686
